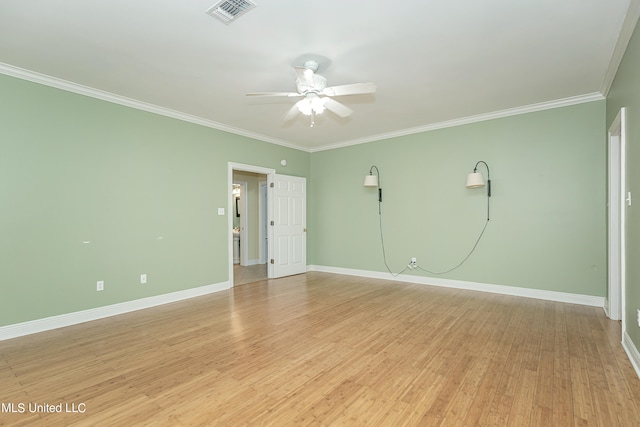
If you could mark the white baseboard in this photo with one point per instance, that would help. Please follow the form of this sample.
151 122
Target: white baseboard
632 352
253 262
60 321
458 284
627 343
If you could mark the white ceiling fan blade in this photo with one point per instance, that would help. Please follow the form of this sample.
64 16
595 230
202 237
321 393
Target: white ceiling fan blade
336 107
291 114
352 89
273 94
305 76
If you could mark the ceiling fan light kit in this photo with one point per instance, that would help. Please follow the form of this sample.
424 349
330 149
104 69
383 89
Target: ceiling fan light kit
312 103
317 97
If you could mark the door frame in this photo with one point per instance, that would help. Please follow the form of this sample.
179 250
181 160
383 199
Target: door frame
240 167
244 226
263 197
616 281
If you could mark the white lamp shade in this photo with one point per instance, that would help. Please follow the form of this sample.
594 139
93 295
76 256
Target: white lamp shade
370 181
475 180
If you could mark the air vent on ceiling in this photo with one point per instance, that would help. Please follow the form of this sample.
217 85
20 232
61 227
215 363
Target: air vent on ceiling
230 10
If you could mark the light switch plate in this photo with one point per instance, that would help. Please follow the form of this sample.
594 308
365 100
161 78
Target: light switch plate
220 211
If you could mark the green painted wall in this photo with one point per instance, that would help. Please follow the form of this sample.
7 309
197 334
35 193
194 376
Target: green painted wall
143 189
547 228
625 92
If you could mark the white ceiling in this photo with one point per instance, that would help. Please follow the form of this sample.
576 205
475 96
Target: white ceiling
435 62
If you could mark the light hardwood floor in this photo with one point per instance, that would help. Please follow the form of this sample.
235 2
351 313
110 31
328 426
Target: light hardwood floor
249 274
323 349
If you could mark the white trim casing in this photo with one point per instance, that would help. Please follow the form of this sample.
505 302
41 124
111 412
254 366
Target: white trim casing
615 305
263 196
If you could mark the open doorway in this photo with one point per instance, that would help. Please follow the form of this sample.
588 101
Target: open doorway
248 223
250 264
286 200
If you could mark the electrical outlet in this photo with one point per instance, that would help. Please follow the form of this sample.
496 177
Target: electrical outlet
143 278
639 317
100 285
414 262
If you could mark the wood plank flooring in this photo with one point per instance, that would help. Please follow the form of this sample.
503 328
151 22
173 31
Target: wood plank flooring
249 274
322 349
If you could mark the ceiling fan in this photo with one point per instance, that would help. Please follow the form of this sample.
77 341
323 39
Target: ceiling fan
316 96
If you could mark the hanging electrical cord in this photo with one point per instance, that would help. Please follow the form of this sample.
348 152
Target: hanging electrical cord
410 267
372 180
474 180
384 253
461 262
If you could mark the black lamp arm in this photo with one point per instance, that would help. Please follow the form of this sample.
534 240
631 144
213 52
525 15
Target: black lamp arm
475 169
379 181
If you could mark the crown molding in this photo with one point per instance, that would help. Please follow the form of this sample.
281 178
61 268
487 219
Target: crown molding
574 100
628 27
68 86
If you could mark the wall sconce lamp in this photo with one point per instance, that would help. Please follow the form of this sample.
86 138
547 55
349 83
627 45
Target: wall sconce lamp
475 180
372 180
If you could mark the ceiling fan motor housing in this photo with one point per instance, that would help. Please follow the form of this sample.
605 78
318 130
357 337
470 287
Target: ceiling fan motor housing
311 65
319 83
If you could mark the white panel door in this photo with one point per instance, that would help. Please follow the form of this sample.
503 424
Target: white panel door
288 222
